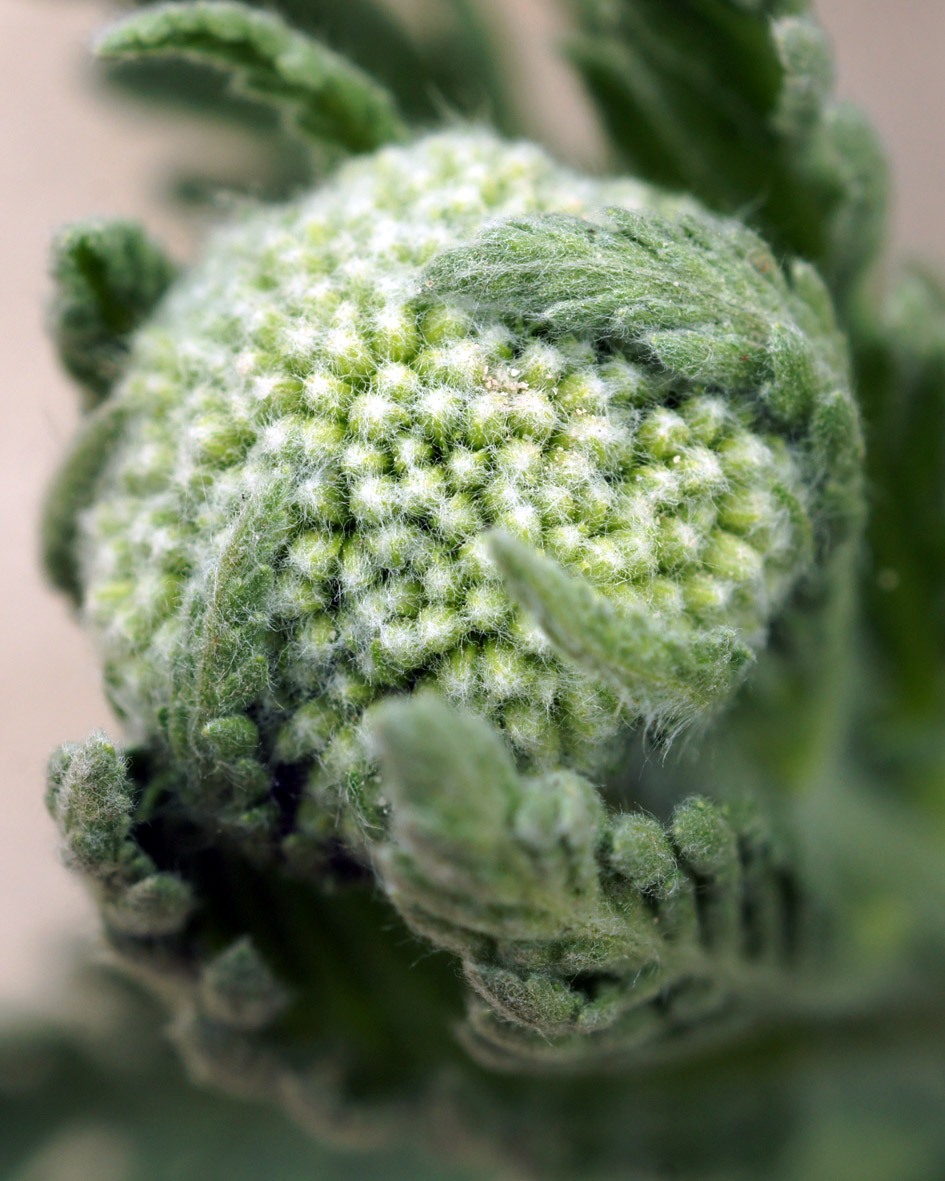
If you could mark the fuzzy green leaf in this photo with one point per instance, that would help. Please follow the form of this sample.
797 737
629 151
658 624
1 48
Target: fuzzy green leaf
226 662
536 886
328 98
92 797
706 300
731 102
72 491
623 279
670 678
450 62
453 788
108 276
474 848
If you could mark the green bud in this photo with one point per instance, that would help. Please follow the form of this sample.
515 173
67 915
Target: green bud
89 796
238 989
152 908
640 853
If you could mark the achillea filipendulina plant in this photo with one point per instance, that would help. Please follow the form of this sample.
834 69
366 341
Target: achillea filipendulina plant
472 544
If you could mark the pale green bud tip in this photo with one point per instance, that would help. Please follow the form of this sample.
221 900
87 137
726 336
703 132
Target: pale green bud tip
705 840
640 852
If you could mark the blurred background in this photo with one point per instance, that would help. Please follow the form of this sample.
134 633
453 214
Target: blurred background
69 152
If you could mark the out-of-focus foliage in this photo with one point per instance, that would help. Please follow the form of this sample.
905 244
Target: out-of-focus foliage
731 102
441 63
100 1096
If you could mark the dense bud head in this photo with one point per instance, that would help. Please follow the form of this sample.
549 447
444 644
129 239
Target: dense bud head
295 519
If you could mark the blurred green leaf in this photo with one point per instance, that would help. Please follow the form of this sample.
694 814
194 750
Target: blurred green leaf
322 95
729 101
109 1102
901 369
450 65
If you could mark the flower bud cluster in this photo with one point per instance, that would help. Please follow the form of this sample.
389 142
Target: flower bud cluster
293 522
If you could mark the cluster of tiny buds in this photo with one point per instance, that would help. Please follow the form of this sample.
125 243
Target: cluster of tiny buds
297 354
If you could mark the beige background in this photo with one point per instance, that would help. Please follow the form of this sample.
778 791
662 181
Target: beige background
66 154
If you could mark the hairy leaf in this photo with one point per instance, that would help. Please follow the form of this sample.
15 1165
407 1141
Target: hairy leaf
731 102
72 491
109 276
327 97
669 677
